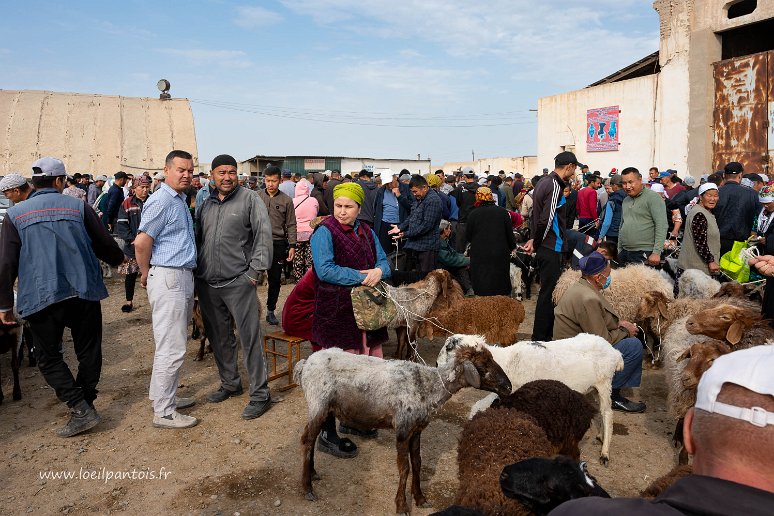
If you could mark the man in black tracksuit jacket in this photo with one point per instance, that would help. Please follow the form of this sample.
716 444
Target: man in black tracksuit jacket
465 195
548 237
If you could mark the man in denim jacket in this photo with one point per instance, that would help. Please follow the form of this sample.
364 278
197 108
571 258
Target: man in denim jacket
52 242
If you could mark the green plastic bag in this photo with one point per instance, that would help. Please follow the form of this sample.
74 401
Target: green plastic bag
734 265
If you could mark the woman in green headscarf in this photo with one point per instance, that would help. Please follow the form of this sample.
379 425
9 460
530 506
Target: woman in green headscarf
346 253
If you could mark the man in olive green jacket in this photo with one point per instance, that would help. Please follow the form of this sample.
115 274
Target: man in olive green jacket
583 309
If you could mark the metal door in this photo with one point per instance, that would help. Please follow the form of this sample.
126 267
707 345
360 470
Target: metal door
741 118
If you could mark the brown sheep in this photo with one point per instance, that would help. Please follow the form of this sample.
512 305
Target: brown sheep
496 318
657 312
740 326
661 484
682 389
438 285
490 441
732 289
564 426
540 419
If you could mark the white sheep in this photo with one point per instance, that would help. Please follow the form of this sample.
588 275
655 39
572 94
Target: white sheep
368 392
695 283
583 363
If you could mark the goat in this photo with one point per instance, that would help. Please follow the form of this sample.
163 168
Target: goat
368 392
10 340
198 331
583 363
522 274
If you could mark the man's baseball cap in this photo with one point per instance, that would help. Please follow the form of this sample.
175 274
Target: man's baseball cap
733 168
665 173
252 180
286 173
12 181
159 176
386 175
748 368
689 181
468 171
100 178
567 158
50 167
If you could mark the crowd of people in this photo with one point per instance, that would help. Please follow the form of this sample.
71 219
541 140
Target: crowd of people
214 235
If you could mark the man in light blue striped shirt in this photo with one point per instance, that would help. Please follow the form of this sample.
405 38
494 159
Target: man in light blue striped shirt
166 253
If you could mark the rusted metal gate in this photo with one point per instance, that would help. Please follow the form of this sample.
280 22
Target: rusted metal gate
744 112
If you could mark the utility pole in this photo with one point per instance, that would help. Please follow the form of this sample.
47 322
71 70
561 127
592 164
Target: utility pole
473 152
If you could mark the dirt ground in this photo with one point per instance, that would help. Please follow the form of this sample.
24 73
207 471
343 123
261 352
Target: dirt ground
229 466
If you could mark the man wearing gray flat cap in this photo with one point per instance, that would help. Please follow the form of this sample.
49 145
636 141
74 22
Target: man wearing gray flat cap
52 243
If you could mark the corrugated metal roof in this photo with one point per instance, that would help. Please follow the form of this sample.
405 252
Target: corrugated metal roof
304 156
97 134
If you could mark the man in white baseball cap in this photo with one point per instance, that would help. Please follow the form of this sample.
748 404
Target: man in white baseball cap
730 433
15 188
392 205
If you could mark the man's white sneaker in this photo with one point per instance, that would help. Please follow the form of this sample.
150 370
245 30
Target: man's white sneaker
174 420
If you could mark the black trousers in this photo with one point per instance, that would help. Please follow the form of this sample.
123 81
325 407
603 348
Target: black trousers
461 241
129 284
278 262
387 242
84 318
549 266
421 261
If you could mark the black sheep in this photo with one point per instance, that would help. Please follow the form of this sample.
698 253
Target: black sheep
564 414
542 484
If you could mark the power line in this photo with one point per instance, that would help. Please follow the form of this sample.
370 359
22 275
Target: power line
313 117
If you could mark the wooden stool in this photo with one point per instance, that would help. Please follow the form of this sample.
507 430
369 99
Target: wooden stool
291 343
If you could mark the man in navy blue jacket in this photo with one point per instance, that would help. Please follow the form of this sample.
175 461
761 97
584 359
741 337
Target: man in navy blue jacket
115 197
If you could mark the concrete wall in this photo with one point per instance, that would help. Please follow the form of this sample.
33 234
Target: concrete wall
527 165
96 134
562 124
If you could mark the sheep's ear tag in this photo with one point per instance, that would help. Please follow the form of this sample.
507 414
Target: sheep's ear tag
734 333
471 375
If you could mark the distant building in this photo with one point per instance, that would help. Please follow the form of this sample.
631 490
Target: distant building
306 164
95 134
525 165
702 100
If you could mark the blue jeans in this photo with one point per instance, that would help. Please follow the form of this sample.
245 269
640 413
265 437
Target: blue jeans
630 376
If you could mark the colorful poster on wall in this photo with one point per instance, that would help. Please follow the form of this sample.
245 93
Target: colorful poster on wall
602 128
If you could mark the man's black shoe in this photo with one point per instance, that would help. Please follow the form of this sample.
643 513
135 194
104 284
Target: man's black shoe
271 318
256 409
222 395
82 418
626 405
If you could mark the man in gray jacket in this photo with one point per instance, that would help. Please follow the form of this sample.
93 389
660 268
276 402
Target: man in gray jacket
234 247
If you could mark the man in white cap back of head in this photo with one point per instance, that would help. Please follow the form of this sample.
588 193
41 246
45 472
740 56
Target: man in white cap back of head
730 433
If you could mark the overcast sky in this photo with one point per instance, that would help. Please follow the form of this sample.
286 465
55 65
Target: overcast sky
372 78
